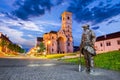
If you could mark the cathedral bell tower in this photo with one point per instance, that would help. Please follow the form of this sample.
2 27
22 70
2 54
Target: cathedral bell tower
67 29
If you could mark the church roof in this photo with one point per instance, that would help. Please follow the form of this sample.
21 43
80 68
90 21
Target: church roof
40 39
45 33
66 12
108 36
5 37
55 32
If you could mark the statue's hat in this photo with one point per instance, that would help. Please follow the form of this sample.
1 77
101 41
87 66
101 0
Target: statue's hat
85 26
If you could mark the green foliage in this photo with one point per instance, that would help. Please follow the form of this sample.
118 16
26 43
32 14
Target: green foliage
11 46
3 43
109 60
41 47
15 47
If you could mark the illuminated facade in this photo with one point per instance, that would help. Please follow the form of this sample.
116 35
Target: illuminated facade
109 42
61 41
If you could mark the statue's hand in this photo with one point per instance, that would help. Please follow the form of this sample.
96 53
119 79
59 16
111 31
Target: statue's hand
80 49
92 45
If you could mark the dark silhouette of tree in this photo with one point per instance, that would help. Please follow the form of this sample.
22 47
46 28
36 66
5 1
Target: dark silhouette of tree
41 47
3 44
15 48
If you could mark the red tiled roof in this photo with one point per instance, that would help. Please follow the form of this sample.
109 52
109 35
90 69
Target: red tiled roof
108 36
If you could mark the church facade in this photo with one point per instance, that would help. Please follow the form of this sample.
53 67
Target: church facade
62 40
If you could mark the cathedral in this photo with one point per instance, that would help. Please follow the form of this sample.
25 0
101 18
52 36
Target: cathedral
59 41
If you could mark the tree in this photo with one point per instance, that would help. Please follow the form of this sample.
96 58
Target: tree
3 44
41 47
15 48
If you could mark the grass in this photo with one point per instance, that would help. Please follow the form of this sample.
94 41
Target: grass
109 60
56 56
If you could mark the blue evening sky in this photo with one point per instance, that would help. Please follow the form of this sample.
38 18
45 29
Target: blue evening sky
24 20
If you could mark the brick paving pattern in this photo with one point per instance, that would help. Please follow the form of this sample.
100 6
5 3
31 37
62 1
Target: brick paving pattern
39 69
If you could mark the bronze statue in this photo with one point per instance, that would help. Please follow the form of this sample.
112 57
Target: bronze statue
87 47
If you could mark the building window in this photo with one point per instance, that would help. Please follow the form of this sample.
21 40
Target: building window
118 42
68 30
68 39
68 44
68 17
52 44
52 50
68 26
119 49
101 44
52 37
108 44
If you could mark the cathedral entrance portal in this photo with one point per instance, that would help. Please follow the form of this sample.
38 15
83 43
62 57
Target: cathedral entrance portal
61 45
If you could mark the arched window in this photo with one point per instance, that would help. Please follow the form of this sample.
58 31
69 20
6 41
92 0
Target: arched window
52 50
52 37
68 39
68 26
68 17
52 44
101 44
68 30
68 44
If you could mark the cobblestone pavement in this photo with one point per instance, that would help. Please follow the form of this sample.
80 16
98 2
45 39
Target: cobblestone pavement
37 69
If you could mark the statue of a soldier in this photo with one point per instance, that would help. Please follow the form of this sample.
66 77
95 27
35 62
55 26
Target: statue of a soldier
87 47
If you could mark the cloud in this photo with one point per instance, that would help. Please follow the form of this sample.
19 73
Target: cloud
12 33
31 36
2 15
96 27
29 25
48 25
98 12
15 29
32 8
112 21
16 36
84 11
53 23
24 25
57 2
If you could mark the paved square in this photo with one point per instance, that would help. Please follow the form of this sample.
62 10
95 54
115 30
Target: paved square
39 69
